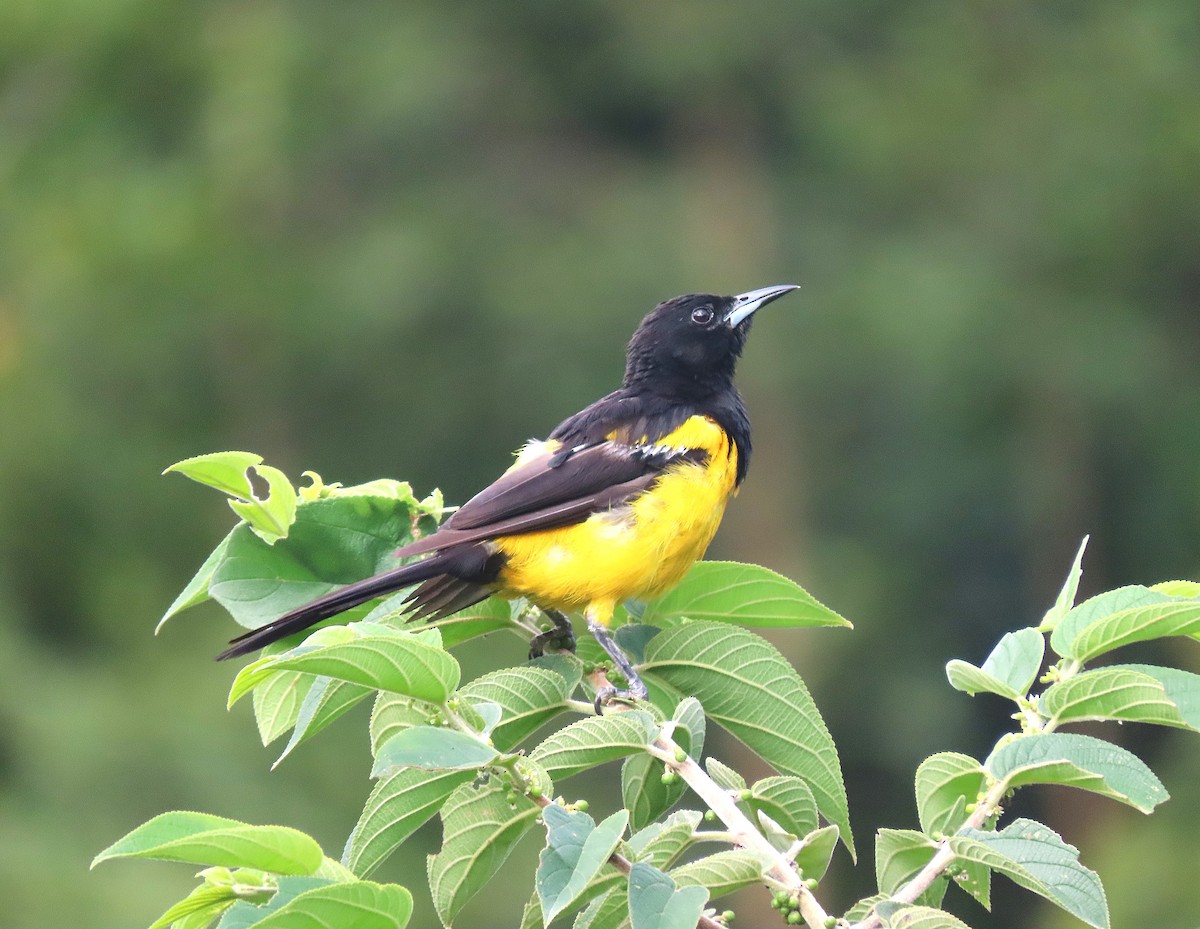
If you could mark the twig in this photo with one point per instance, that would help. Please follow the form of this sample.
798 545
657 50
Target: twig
744 832
942 859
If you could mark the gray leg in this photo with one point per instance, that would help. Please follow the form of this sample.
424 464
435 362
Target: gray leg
562 636
637 689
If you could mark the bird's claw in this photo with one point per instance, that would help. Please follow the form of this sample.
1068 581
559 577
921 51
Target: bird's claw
609 694
554 639
560 637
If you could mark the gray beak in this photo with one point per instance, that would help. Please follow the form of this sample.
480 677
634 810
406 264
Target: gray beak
746 304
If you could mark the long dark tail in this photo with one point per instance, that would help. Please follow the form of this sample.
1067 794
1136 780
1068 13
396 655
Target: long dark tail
453 561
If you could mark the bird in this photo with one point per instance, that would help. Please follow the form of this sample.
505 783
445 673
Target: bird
616 504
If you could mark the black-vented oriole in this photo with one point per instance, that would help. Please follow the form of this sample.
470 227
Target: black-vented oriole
617 503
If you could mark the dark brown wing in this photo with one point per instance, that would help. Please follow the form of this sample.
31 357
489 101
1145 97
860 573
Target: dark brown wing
555 489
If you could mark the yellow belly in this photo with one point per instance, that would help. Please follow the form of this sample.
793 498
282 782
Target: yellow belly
634 551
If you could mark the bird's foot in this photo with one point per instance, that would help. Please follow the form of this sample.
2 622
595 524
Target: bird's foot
561 637
608 695
605 692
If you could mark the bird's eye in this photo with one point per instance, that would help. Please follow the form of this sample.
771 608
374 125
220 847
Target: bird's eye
703 315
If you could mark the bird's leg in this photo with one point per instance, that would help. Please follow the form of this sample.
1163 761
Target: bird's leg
637 689
562 636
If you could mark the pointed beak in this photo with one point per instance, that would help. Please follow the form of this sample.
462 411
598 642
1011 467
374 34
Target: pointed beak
744 305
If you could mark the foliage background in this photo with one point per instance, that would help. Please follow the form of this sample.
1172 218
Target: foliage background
396 240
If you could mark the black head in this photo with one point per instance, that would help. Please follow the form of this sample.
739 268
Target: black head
688 347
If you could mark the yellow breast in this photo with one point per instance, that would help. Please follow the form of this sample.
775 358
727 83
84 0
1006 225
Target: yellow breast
636 550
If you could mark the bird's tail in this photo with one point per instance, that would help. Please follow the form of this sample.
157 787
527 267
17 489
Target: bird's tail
338 601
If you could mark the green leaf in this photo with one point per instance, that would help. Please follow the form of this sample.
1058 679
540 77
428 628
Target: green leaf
1182 688
576 850
750 689
814 855
208 899
245 913
907 916
745 594
1016 659
432 749
723 872
654 903
1078 761
354 905
1035 857
324 702
633 639
334 871
226 471
661 843
863 907
397 662
196 590
1114 693
1108 604
946 782
529 697
334 541
480 828
1009 670
393 713
531 916
964 676
644 794
269 517
398 806
1066 596
277 700
1139 624
726 777
200 838
593 741
608 911
787 800
1187 589
899 854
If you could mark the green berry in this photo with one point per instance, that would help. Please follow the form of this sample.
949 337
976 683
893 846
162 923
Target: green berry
793 918
668 778
780 899
535 791
793 901
830 922
727 916
811 883
744 795
680 755
710 816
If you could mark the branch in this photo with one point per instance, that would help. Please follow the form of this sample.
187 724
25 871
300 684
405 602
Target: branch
745 833
941 860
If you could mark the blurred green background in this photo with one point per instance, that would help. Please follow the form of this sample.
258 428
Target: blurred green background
398 239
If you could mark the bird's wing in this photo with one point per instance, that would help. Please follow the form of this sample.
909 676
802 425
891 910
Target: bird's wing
556 487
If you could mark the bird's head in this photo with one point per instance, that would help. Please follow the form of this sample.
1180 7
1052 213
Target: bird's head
689 346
